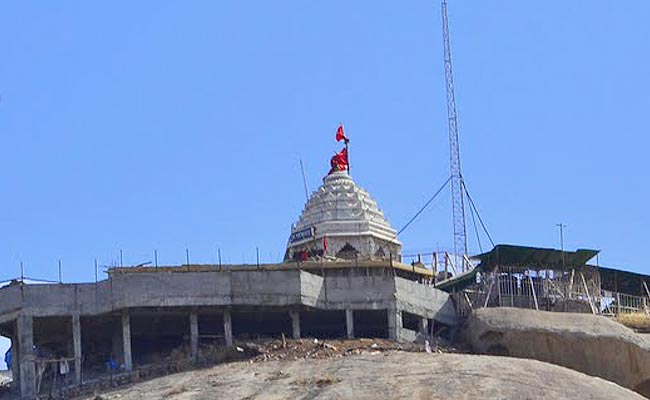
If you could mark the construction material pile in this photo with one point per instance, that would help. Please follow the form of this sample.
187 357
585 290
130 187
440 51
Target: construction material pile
285 349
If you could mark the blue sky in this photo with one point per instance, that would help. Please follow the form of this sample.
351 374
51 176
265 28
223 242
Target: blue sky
172 125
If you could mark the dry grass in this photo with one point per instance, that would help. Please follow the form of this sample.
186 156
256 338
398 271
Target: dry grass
636 321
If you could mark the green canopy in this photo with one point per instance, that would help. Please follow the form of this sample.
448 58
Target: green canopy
458 282
533 257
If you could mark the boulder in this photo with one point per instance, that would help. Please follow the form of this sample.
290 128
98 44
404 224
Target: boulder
595 345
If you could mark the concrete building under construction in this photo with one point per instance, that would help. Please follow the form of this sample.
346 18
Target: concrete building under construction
342 277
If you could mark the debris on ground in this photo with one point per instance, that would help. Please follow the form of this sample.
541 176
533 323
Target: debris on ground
285 349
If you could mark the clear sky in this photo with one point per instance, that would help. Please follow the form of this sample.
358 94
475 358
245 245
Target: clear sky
148 125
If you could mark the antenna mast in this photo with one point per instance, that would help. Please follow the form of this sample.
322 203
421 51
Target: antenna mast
457 198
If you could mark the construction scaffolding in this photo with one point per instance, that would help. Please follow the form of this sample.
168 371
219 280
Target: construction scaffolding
549 280
577 290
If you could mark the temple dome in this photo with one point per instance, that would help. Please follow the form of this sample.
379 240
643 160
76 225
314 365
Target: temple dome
349 219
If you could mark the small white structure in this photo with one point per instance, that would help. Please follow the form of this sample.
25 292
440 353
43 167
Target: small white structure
342 221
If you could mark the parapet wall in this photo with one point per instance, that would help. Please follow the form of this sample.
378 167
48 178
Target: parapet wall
361 288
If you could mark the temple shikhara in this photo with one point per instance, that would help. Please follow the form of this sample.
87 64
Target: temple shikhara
342 222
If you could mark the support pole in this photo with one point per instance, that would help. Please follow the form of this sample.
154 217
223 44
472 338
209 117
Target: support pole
194 335
227 327
126 340
25 326
591 304
532 287
435 267
295 323
487 296
76 342
647 291
446 266
498 281
349 323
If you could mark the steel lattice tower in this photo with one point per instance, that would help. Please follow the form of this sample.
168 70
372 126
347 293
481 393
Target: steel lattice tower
457 197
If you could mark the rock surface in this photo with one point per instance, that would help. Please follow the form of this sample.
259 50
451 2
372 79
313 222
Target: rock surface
379 376
595 345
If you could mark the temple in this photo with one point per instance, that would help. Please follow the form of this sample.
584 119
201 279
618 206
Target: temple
342 222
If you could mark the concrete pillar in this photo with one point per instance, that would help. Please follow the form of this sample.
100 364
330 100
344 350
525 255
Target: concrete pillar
295 323
117 350
424 326
394 323
194 335
76 342
126 340
25 327
227 327
15 352
349 323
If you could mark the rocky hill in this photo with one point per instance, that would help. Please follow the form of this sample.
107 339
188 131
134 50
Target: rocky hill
390 375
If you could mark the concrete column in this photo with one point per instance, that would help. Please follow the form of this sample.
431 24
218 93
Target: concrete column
394 323
25 325
126 340
295 323
424 326
117 350
194 335
76 341
349 323
227 327
15 352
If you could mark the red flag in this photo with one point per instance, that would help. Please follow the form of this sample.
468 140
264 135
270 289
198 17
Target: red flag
325 243
339 161
343 156
340 135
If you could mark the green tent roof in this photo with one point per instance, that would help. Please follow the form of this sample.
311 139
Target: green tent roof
531 257
458 282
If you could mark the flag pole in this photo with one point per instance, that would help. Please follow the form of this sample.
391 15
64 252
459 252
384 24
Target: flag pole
348 152
340 134
347 149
